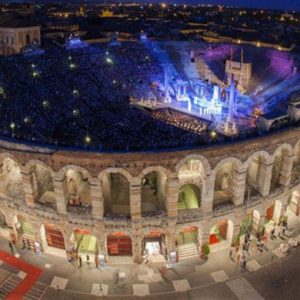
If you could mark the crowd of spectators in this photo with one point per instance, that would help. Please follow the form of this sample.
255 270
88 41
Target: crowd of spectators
80 98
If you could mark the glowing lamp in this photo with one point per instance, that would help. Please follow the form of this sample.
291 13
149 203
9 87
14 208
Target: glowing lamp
88 139
12 125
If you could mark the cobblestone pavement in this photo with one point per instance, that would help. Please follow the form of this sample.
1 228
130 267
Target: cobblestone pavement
268 275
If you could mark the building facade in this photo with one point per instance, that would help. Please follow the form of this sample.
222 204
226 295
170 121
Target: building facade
115 204
13 38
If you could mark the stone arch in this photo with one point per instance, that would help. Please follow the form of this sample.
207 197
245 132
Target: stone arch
11 183
227 184
116 185
194 169
62 172
197 157
76 188
41 180
153 189
280 165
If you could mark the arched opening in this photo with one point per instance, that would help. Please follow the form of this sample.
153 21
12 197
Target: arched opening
11 184
188 243
153 193
78 192
221 235
191 178
116 194
119 243
42 183
52 236
28 39
85 243
189 197
26 232
273 216
253 176
154 247
223 186
277 169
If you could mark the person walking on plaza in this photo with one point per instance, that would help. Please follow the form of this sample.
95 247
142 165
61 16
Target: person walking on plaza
230 253
87 259
80 261
11 247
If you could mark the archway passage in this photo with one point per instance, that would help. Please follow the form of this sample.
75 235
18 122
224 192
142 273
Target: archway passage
189 197
153 193
221 235
11 184
42 183
273 215
154 246
223 185
78 189
54 236
278 164
119 244
26 233
187 243
116 193
85 243
253 177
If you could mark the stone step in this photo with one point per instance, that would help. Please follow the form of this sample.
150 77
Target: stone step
187 250
9 285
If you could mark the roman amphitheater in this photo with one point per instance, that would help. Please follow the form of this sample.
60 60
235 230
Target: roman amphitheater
178 200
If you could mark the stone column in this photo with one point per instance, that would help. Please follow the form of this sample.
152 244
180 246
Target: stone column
238 185
264 178
286 171
96 198
172 191
135 199
207 195
60 195
29 189
171 241
136 240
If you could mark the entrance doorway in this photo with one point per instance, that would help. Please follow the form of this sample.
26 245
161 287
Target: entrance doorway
26 233
154 246
221 235
187 243
85 243
54 237
119 244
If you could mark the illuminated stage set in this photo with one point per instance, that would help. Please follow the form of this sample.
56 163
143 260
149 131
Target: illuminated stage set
232 100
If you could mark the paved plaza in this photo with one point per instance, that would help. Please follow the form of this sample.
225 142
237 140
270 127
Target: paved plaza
266 276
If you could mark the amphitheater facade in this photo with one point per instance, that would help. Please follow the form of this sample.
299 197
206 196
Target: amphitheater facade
119 201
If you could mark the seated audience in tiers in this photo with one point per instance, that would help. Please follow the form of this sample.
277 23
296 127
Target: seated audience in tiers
80 98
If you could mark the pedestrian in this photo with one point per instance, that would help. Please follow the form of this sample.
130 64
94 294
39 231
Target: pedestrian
11 247
80 261
273 236
238 258
230 253
87 259
97 261
244 261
